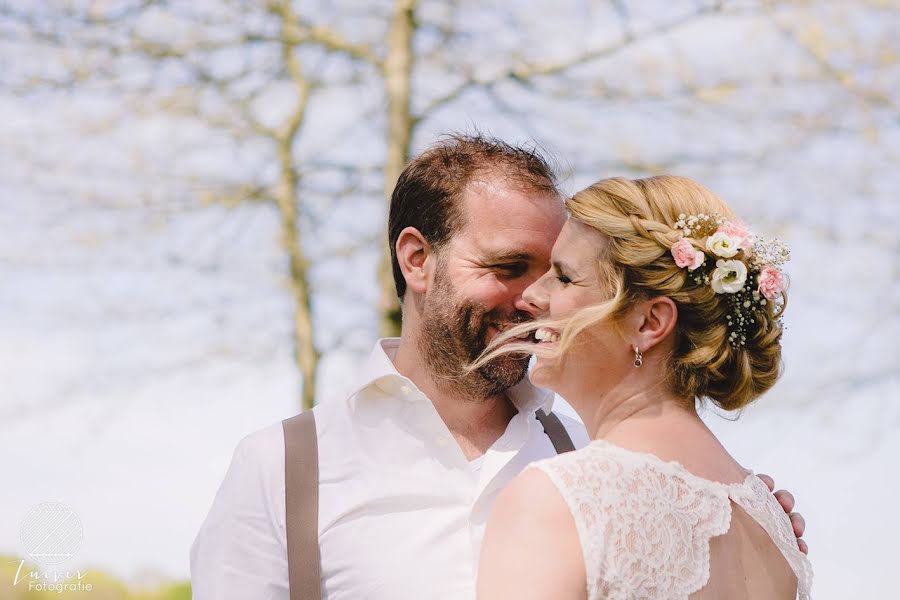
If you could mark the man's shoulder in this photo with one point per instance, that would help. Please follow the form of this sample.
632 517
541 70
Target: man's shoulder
240 548
269 441
574 428
263 450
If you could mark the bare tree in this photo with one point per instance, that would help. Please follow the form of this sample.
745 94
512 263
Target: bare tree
398 69
192 77
610 73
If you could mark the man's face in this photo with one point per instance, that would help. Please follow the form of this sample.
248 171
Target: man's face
476 292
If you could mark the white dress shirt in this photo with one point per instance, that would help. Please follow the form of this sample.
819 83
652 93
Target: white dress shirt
401 511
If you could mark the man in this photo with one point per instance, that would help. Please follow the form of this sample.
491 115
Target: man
411 462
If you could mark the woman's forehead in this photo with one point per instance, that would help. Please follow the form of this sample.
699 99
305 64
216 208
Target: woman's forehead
576 237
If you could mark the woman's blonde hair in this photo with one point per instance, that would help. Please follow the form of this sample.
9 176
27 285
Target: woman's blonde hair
637 216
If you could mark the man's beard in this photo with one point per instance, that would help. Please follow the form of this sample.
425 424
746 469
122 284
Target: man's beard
455 333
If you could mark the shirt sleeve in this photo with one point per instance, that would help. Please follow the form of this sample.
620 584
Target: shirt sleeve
240 551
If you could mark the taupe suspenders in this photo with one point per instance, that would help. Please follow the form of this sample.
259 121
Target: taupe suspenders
556 431
301 505
301 497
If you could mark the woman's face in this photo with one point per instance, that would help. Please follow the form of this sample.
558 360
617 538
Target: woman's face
573 282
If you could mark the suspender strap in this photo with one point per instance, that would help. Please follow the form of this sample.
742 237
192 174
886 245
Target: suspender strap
555 430
301 504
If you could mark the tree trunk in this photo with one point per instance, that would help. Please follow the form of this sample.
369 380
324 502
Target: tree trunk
306 355
397 75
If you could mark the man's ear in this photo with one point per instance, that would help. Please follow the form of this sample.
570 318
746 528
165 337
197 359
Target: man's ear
655 319
413 251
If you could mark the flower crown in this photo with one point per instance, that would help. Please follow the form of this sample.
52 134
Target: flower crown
743 266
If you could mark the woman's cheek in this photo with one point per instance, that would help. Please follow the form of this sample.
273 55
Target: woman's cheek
562 304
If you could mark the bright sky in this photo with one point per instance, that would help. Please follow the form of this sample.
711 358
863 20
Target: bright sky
139 342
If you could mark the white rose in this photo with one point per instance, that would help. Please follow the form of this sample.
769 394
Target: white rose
729 276
722 244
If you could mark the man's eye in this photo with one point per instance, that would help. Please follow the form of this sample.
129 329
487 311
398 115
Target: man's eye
563 279
513 269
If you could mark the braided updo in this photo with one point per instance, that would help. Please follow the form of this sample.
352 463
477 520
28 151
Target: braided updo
637 216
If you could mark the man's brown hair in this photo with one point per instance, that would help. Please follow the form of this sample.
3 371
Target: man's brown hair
428 190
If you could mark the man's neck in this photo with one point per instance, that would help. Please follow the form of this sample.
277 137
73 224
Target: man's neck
475 422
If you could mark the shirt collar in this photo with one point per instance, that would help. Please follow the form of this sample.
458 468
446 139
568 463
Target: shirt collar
529 398
378 370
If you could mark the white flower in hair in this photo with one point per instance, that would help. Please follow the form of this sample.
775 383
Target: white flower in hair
729 276
722 244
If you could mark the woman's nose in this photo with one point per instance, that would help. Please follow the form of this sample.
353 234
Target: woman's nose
534 298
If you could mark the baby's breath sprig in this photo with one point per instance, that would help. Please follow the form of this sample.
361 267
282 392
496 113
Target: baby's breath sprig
770 252
698 226
740 316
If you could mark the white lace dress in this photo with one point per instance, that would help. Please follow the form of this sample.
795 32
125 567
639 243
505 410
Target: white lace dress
645 524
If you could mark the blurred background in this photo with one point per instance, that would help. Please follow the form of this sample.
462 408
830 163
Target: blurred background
192 217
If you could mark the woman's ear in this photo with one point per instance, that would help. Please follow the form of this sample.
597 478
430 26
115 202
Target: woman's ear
654 321
413 251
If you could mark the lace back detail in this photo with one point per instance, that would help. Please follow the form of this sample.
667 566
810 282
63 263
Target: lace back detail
645 525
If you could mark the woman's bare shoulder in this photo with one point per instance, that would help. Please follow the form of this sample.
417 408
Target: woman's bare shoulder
531 531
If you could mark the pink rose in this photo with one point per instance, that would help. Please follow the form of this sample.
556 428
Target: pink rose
686 255
771 282
736 230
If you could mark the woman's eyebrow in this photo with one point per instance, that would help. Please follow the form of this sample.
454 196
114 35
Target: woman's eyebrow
562 267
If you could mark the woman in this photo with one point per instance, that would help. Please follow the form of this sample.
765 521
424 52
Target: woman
657 297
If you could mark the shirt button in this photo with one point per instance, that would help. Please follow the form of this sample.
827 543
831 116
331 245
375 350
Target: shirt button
404 389
442 440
